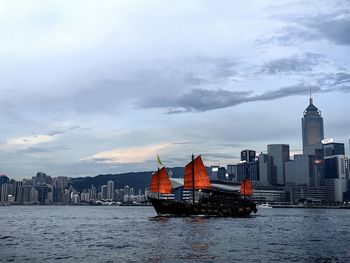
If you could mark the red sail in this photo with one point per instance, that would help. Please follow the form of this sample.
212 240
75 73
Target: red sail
246 187
201 178
160 182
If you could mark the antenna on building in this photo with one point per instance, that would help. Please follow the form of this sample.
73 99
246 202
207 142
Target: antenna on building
311 102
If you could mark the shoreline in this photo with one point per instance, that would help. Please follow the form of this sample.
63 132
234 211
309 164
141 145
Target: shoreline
310 207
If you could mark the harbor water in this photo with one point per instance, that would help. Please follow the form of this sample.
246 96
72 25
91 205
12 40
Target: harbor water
135 234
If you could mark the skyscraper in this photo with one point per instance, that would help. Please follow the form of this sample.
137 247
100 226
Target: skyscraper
104 191
110 190
248 156
3 179
280 155
312 126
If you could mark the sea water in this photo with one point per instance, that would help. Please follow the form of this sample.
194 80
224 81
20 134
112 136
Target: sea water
135 234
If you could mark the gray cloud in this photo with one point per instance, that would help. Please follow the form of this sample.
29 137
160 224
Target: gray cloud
201 100
290 35
295 64
334 81
332 24
204 70
42 149
299 89
337 30
219 156
345 89
62 131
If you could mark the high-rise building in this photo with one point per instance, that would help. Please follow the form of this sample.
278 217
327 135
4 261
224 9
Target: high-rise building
335 170
110 190
104 191
3 180
266 168
222 173
305 170
93 192
247 171
214 169
62 182
280 155
4 192
132 191
248 156
312 126
332 148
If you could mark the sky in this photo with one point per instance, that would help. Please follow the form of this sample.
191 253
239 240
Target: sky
93 87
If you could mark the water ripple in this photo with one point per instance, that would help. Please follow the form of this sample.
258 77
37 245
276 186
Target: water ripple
135 234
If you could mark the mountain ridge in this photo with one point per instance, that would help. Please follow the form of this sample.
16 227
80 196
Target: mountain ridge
137 180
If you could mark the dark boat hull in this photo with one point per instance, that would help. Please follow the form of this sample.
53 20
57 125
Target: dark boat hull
239 208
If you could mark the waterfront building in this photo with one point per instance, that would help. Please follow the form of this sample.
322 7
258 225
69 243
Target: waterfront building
19 192
75 198
222 173
132 191
214 169
248 156
335 189
304 193
280 155
33 195
3 179
11 199
336 178
93 193
247 170
269 194
110 190
104 191
66 196
305 170
313 149
231 171
41 179
312 126
61 182
119 194
331 148
26 193
126 190
266 174
4 192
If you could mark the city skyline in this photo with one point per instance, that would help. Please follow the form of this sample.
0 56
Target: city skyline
85 94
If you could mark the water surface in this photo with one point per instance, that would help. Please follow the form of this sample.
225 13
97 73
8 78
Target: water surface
134 234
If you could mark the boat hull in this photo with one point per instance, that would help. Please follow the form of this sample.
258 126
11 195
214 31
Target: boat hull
241 208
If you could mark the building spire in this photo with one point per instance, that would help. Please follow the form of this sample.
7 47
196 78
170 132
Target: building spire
311 101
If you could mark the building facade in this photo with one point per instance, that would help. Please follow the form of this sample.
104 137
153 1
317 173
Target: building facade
280 155
312 126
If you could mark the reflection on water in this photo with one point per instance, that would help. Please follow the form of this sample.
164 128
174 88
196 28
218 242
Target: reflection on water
135 234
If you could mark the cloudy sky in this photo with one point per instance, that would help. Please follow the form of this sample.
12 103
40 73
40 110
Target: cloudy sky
90 87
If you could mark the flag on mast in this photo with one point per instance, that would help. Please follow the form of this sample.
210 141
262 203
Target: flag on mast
159 161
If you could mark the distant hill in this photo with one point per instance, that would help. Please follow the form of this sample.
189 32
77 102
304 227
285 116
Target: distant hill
137 180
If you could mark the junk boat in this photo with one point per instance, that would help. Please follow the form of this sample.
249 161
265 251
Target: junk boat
206 200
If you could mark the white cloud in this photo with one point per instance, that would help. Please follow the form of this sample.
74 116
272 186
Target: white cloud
22 143
130 154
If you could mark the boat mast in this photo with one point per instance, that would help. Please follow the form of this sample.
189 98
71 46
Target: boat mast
158 181
193 178
245 178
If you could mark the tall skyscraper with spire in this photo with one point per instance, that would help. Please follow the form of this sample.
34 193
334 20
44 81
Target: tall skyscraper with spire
312 125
